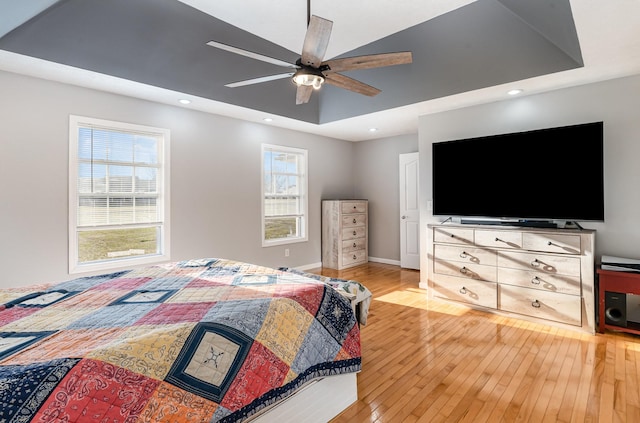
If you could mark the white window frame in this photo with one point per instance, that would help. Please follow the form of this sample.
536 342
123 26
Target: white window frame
164 242
304 189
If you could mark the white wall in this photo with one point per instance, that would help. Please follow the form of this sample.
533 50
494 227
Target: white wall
377 179
215 178
615 102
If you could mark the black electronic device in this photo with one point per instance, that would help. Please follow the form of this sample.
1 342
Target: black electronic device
615 309
540 175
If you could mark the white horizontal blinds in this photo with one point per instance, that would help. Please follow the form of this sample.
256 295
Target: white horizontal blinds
118 177
284 191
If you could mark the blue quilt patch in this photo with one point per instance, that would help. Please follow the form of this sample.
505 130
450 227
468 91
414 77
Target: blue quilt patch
236 315
209 361
254 280
334 313
12 342
41 299
23 389
145 296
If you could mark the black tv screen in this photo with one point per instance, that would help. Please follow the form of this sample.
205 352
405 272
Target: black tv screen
547 174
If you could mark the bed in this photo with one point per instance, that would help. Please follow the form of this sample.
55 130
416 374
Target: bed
205 340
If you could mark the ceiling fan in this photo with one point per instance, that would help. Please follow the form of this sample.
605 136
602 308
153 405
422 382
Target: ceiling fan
309 72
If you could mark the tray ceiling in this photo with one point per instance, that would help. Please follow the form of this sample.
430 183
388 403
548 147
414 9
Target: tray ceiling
458 47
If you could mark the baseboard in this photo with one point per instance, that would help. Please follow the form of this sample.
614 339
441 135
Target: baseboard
384 261
309 266
373 259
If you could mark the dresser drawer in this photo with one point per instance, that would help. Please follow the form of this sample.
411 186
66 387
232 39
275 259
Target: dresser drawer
348 207
469 291
453 235
498 239
464 254
353 245
544 263
354 220
465 270
354 257
353 233
561 308
551 243
564 284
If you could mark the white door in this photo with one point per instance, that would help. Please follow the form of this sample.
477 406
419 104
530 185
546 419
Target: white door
409 212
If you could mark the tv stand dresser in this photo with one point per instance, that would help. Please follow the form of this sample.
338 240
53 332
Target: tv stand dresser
539 274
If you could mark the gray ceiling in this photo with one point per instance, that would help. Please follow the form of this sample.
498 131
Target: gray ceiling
162 43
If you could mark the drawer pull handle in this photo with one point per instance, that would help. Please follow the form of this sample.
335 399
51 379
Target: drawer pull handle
354 233
535 263
499 240
535 280
535 304
453 236
464 270
355 207
354 257
354 245
354 221
463 290
464 254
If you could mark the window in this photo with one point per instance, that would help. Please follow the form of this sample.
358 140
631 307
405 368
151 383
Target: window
284 195
118 194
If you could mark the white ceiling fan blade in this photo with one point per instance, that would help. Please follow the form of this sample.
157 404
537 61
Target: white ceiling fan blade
251 54
316 41
259 80
303 94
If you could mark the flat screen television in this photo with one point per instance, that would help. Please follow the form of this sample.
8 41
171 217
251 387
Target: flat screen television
540 175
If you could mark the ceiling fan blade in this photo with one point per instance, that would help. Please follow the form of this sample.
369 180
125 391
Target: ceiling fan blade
251 54
259 80
369 62
316 41
303 94
350 84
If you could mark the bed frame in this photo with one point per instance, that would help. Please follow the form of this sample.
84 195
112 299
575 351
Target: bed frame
318 402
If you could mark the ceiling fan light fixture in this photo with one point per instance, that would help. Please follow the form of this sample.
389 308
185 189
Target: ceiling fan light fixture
309 78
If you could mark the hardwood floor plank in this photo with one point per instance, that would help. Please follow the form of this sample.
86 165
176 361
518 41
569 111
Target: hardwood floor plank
433 361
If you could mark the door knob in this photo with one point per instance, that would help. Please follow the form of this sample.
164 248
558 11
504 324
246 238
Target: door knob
404 217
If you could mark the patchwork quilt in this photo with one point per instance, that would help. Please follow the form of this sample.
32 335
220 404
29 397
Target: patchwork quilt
207 340
353 290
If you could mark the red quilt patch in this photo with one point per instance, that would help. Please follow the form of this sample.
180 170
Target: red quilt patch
262 371
309 296
97 391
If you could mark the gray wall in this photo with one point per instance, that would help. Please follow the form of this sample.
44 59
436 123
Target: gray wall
215 178
615 102
376 178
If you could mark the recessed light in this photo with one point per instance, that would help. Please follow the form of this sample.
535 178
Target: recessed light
373 129
268 119
514 92
184 101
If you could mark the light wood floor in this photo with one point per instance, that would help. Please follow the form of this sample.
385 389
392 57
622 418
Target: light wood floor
428 361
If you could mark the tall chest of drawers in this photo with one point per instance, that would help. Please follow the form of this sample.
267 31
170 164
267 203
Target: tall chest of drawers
545 275
344 233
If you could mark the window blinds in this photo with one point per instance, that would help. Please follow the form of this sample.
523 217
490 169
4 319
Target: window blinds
118 177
